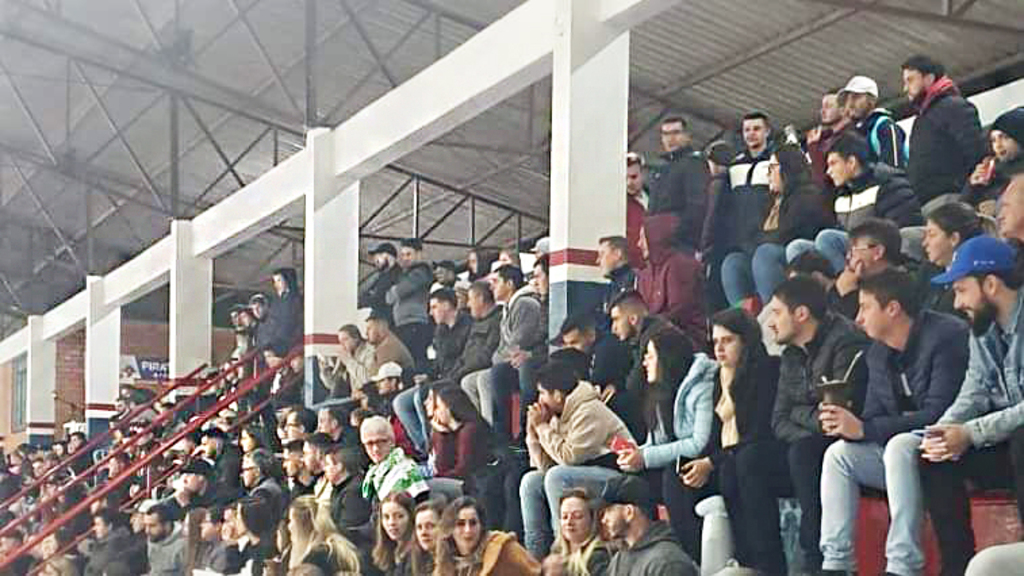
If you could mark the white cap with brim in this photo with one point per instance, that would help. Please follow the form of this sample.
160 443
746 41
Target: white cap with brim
861 85
388 370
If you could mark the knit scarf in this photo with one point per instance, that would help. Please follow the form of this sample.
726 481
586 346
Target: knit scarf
397 472
941 86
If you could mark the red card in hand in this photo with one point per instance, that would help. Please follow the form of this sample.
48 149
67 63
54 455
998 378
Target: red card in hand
620 444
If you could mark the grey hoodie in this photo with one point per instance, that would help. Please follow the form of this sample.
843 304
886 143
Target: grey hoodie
657 553
408 297
167 557
522 324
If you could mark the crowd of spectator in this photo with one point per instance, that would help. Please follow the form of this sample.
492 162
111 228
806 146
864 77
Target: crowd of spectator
803 318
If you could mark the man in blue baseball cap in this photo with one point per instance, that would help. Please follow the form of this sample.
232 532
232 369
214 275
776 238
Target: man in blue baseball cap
981 436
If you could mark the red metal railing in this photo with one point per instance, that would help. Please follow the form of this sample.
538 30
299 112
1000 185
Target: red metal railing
122 448
137 465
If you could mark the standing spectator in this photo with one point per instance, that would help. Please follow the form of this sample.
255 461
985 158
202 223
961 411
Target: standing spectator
678 185
650 549
444 275
820 346
166 550
745 204
616 263
886 140
979 437
466 547
636 207
374 296
282 328
946 142
579 549
671 283
261 476
819 140
478 265
408 300
993 173
391 470
568 434
386 346
865 190
915 366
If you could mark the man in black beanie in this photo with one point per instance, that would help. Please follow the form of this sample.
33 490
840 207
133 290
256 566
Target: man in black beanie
993 173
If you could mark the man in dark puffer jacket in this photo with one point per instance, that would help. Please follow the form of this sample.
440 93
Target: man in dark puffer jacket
869 190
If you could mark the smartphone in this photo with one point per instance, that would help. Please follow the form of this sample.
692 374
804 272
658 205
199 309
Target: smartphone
680 464
924 433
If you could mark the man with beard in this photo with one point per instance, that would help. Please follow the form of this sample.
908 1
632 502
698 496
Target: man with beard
385 258
981 436
166 550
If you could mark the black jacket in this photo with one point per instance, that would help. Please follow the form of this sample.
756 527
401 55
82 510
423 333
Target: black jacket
1004 171
829 354
678 185
717 227
945 144
887 142
622 279
281 330
881 191
802 214
749 397
929 373
373 295
481 342
744 205
103 551
349 510
449 343
227 469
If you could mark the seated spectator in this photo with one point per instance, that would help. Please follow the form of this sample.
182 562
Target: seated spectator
886 140
993 173
315 540
795 216
569 432
393 533
12 540
345 374
874 246
678 183
1011 210
391 470
865 190
947 227
250 439
579 549
215 554
298 479
744 204
226 458
946 142
450 335
111 539
650 547
386 346
614 260
426 528
196 490
387 271
744 380
915 366
262 477
677 412
979 437
166 550
343 468
254 520
408 300
314 454
820 347
461 441
671 282
466 547
484 334
331 421
298 423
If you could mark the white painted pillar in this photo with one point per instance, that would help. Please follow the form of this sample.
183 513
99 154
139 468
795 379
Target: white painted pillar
331 259
42 383
102 356
590 98
191 306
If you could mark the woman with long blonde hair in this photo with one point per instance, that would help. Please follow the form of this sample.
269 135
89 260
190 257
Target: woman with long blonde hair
579 547
393 533
316 540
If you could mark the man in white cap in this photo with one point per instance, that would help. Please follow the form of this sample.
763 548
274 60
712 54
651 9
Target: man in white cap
886 139
388 379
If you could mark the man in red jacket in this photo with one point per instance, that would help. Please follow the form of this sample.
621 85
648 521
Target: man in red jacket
672 281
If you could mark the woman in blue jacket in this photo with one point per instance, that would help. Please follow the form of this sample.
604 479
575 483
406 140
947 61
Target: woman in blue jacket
677 411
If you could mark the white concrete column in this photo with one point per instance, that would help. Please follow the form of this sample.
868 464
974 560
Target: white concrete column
590 98
191 306
102 356
42 383
331 259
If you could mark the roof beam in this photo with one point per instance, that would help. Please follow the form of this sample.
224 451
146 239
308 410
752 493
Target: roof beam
48 31
929 17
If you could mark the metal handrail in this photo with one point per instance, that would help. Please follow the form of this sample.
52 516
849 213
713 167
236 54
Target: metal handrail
101 438
159 420
192 426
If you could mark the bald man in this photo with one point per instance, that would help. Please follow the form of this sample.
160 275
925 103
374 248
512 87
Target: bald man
1011 210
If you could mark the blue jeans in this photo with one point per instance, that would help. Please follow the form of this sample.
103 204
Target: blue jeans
737 278
410 409
894 468
831 243
540 494
769 268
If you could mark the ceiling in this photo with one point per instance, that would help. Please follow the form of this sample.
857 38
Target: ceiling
88 91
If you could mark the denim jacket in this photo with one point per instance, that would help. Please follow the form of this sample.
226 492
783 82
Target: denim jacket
693 415
991 400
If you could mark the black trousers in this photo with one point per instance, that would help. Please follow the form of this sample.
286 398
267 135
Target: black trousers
946 498
417 337
751 480
680 500
805 458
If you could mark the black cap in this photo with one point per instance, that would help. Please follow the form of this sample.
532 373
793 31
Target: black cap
446 264
199 467
216 433
384 248
629 490
414 243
